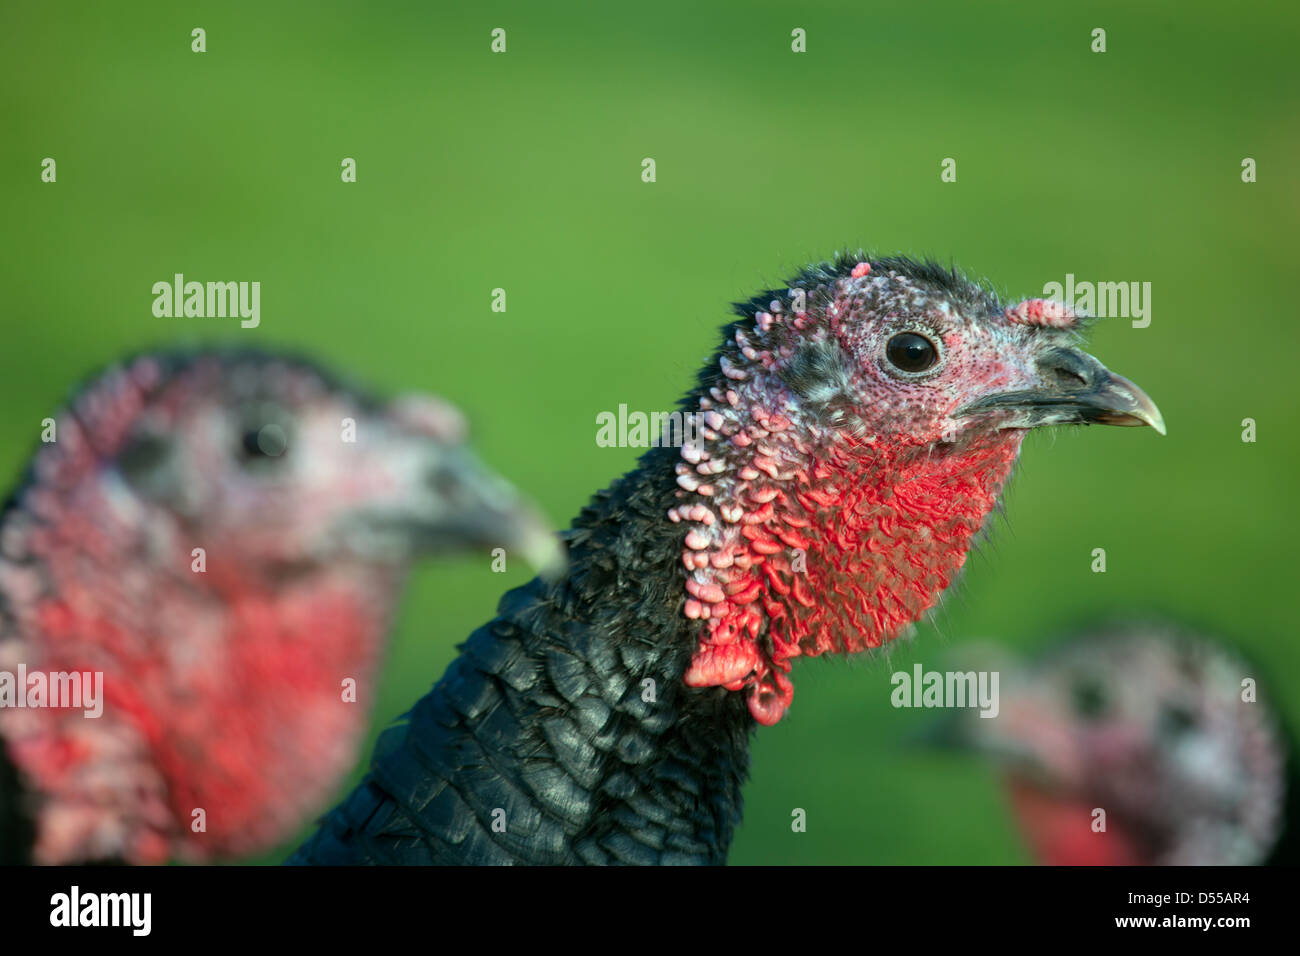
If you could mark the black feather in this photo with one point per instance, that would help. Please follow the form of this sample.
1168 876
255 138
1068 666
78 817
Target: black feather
542 744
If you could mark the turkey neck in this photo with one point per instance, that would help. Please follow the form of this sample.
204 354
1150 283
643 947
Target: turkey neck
573 697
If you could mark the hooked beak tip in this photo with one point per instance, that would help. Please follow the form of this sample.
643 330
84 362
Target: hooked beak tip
1128 405
1075 389
541 548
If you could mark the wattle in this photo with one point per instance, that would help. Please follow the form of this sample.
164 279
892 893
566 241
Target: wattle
841 557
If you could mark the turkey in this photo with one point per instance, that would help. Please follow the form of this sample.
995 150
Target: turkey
849 437
222 536
1171 734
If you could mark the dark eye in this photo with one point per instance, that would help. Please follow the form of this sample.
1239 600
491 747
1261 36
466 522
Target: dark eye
1176 721
266 441
1089 699
911 352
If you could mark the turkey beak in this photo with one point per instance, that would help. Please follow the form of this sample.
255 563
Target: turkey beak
960 733
951 731
472 508
1074 389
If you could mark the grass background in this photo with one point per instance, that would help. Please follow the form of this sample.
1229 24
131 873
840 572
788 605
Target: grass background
522 171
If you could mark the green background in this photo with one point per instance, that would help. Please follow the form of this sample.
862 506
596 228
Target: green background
522 171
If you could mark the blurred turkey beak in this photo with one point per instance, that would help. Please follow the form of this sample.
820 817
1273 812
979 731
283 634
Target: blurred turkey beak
434 496
471 508
1075 389
960 731
948 731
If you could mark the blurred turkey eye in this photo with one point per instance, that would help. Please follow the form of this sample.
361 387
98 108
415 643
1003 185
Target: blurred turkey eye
911 352
269 441
1089 699
1176 721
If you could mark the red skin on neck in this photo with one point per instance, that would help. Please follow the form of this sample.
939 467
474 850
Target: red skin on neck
1059 830
222 688
883 531
225 697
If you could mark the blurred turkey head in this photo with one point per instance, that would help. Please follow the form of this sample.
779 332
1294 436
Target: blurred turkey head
1165 732
224 537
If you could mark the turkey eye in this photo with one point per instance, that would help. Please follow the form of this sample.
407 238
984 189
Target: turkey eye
269 441
911 352
1176 721
1089 699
